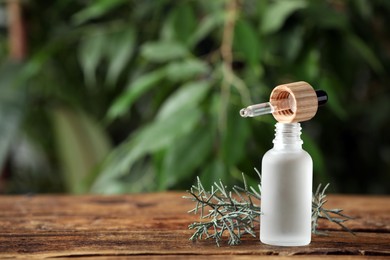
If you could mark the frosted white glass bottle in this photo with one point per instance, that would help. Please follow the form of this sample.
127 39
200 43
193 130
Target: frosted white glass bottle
286 196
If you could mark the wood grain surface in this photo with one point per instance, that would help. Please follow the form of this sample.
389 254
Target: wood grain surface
146 226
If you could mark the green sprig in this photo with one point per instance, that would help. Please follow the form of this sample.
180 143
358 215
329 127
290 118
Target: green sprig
235 212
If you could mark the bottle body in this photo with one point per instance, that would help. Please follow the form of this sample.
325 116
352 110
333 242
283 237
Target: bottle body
286 198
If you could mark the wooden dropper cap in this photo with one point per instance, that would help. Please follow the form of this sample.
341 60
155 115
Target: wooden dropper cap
306 101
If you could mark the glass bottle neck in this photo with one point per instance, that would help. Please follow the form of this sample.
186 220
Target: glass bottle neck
288 136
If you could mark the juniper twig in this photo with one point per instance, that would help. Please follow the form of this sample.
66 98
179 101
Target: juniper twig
319 212
236 213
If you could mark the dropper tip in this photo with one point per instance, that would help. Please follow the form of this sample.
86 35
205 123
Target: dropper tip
244 112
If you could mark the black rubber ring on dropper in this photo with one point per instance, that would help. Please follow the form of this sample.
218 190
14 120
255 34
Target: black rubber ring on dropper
322 97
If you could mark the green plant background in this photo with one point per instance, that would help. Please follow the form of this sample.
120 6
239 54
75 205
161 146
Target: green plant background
120 96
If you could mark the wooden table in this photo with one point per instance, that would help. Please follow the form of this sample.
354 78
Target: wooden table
155 226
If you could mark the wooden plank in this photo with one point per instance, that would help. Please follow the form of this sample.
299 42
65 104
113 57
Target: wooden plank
155 225
372 213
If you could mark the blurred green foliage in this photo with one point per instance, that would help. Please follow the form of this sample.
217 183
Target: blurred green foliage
131 96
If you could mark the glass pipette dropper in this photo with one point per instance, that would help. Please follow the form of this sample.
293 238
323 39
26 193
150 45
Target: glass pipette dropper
279 105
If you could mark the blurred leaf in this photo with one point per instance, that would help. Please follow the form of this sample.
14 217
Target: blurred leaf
365 52
185 156
162 133
294 42
212 6
167 31
247 41
120 49
332 88
141 179
261 7
311 64
90 53
34 65
214 171
163 51
323 16
186 69
12 107
184 21
96 9
188 96
278 12
81 143
235 141
318 159
153 137
206 26
364 8
135 89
